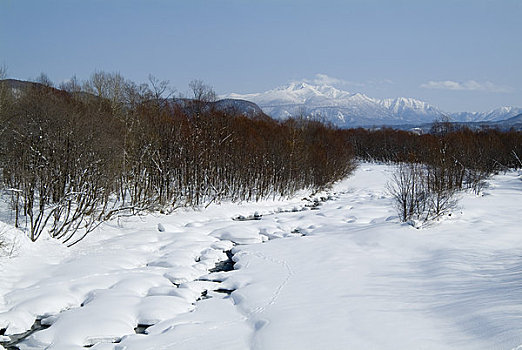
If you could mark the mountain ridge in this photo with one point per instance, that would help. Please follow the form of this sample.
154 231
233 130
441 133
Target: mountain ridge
341 108
346 109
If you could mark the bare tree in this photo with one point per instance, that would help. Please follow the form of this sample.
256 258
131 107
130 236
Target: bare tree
6 101
44 80
408 190
3 72
441 190
160 88
72 85
202 92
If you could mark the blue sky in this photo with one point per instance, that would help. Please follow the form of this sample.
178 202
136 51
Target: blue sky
457 55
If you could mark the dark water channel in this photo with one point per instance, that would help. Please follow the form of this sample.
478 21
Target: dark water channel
16 339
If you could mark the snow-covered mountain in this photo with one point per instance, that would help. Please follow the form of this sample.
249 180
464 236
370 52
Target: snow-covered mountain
494 115
340 107
410 108
346 109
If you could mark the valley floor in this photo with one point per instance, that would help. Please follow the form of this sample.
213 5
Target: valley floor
340 272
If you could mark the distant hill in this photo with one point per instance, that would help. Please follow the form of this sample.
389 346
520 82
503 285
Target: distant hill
514 123
228 105
19 84
247 108
497 114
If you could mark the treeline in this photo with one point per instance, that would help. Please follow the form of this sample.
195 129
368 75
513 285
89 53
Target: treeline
433 168
75 156
487 149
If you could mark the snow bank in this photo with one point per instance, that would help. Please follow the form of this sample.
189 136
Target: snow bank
334 273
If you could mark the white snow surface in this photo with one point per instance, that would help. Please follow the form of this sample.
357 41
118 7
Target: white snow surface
347 275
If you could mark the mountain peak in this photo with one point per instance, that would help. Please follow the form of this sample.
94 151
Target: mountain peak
298 86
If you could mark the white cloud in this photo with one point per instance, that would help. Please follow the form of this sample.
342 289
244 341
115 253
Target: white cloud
470 85
324 79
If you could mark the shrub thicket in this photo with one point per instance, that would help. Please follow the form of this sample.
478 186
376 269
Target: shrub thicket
434 167
73 157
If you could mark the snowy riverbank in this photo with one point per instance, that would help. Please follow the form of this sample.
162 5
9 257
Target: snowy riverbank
335 274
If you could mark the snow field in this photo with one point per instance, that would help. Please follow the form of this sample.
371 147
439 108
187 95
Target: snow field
345 274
